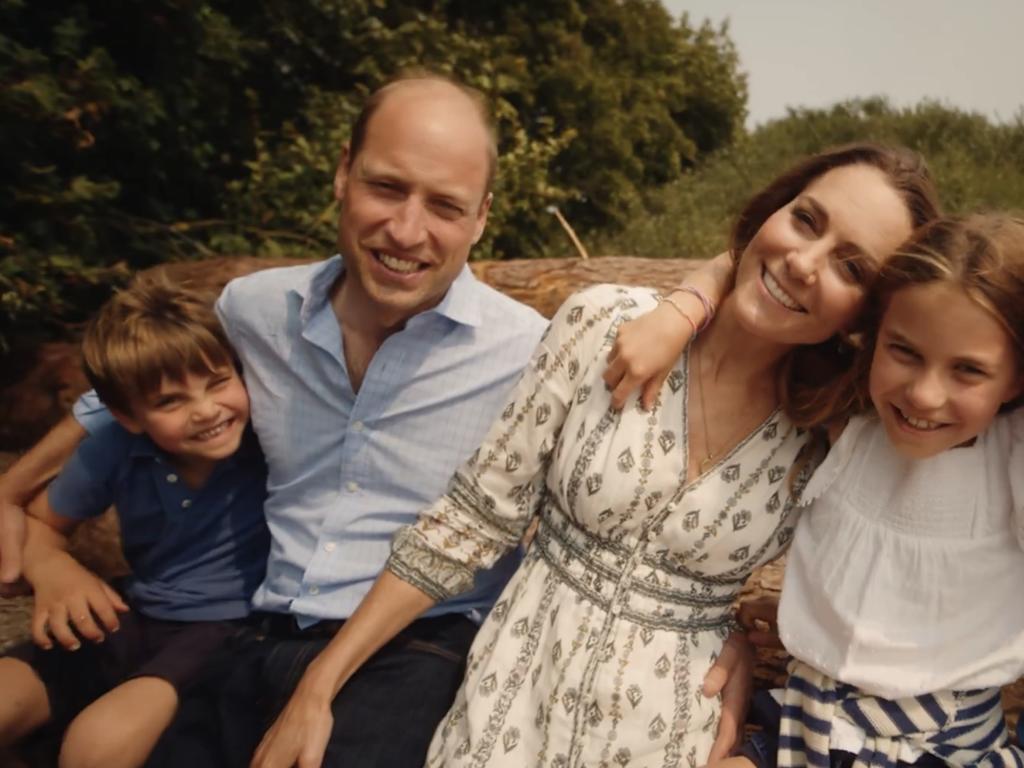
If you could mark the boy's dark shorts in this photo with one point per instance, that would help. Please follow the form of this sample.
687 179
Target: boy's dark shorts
184 653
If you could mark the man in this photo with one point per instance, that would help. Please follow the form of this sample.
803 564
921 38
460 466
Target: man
372 376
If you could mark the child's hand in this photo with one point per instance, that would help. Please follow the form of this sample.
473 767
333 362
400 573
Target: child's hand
69 599
760 617
644 353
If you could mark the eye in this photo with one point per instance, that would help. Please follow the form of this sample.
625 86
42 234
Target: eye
385 188
804 219
448 209
167 402
219 381
852 271
971 370
902 351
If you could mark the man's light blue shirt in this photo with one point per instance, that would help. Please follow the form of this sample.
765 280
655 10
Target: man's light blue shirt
346 470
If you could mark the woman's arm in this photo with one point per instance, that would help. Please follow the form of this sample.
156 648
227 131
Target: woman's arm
490 503
647 348
300 733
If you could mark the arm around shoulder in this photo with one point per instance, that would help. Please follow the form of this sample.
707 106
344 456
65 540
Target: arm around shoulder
647 348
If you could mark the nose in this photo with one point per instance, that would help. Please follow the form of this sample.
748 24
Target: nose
205 409
804 262
926 391
407 225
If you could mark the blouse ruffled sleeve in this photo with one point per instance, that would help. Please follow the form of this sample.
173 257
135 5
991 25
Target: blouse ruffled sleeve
835 462
493 497
1016 459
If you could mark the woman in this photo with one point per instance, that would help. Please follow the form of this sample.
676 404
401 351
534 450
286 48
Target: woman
649 522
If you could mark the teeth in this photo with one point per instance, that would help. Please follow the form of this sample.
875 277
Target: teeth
212 432
917 423
398 265
776 292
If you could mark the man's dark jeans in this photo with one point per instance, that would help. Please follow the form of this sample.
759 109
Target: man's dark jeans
384 716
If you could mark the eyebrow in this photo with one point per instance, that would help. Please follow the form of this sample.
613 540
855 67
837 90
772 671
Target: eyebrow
856 250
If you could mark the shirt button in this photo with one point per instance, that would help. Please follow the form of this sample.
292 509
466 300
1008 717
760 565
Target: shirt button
358 426
352 486
329 546
314 590
172 478
186 503
616 609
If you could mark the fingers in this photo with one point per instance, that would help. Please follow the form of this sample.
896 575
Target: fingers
40 630
12 539
760 617
651 390
734 656
60 628
81 619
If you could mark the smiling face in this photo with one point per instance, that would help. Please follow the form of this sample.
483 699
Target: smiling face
943 365
198 420
413 201
802 277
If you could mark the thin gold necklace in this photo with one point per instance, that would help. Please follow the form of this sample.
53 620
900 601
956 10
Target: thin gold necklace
709 455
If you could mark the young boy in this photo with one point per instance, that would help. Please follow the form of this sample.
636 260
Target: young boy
188 481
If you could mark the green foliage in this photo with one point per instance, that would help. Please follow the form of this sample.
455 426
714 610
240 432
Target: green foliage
136 132
977 165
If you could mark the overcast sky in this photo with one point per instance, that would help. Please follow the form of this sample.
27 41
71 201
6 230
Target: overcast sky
965 53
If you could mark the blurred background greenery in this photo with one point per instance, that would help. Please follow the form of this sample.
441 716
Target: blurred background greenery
139 131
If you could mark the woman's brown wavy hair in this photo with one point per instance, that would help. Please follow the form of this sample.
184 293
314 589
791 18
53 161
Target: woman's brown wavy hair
813 376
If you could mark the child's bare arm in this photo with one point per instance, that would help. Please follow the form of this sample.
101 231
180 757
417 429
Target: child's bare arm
647 348
69 598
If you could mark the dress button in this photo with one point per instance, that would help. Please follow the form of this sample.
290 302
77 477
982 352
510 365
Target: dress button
314 590
616 609
185 504
172 478
652 535
352 486
329 546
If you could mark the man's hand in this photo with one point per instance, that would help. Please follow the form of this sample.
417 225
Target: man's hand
69 599
760 617
300 734
12 541
732 676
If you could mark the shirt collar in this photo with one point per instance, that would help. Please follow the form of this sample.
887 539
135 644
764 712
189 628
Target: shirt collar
461 304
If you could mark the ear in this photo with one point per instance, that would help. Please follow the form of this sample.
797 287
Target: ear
127 421
481 217
341 173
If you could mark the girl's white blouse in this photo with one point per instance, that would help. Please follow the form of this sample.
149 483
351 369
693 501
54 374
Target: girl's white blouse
905 576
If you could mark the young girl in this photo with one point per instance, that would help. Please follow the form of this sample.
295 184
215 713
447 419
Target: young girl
900 603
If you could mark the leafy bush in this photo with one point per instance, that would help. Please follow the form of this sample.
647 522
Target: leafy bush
136 132
977 165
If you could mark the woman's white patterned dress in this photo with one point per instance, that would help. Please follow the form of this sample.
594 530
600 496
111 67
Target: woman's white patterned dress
595 652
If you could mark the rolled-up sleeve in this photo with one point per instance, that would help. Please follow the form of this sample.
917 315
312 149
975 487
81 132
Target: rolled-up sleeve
492 499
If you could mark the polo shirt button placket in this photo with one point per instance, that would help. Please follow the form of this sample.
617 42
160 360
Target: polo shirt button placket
186 503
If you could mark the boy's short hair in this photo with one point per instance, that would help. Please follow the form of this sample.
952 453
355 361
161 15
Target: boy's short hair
151 330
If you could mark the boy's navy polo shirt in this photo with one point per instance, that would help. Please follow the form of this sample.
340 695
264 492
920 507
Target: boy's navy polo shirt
196 555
